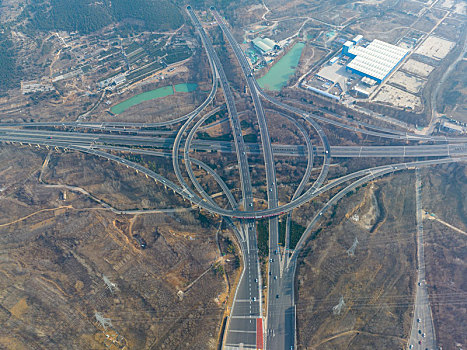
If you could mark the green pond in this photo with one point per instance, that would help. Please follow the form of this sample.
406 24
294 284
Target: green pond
151 95
281 71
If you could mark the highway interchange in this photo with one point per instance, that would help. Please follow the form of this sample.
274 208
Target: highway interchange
254 323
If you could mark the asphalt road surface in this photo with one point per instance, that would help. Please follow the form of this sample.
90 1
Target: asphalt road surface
244 330
422 335
246 309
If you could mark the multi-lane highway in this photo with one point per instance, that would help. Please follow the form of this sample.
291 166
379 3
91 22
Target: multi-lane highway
245 328
163 142
271 183
233 115
246 312
422 334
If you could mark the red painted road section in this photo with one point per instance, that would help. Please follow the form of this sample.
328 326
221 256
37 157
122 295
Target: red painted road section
259 334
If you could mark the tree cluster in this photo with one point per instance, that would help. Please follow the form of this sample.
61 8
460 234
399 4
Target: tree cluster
86 16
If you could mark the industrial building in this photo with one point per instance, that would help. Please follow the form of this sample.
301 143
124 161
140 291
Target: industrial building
357 39
376 61
264 45
451 127
333 60
346 48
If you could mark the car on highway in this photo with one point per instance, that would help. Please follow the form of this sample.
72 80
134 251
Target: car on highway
275 277
419 320
271 260
256 280
277 296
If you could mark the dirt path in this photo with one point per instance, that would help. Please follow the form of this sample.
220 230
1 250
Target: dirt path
434 218
352 333
35 213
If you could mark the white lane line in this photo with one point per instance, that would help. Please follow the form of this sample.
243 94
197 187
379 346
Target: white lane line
238 346
241 331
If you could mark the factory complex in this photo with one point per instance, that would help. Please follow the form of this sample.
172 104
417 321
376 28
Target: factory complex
360 69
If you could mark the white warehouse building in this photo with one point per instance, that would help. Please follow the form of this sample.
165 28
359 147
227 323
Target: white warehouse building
376 61
264 45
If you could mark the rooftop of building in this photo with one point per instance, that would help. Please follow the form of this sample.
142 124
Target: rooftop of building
265 44
378 59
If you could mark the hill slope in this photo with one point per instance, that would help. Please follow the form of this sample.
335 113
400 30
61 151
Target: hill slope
86 16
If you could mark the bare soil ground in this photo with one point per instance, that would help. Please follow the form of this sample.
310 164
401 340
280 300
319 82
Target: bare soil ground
375 281
64 258
389 27
364 253
310 56
112 183
446 252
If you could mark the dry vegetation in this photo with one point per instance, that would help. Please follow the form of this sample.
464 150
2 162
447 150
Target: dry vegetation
446 251
58 244
375 282
376 278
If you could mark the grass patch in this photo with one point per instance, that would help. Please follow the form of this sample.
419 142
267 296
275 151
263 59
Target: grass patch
263 238
253 138
282 227
296 231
